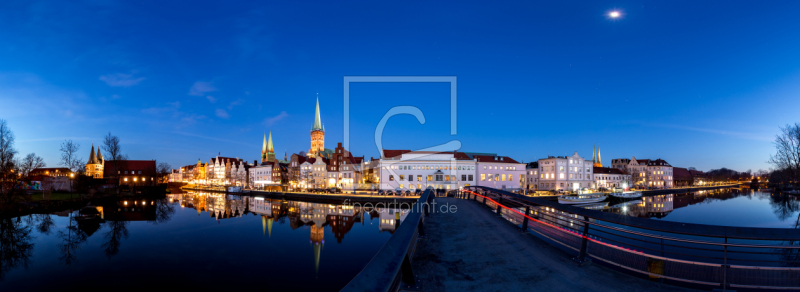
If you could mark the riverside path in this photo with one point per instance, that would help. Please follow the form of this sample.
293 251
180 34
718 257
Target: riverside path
473 249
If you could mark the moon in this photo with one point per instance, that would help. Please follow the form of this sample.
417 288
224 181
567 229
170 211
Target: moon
613 14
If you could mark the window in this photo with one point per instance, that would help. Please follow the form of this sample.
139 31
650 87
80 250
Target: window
419 178
561 175
430 177
503 177
402 177
391 177
470 177
483 177
463 177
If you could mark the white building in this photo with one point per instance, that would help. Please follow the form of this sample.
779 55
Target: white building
261 175
499 172
605 177
570 173
647 173
411 170
531 176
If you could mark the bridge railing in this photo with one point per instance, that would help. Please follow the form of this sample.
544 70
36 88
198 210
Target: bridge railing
390 269
700 255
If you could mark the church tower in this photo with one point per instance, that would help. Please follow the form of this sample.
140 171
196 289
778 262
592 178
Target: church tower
596 160
267 152
94 167
317 135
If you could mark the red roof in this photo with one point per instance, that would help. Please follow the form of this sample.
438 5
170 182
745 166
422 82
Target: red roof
147 167
679 173
607 170
394 153
500 159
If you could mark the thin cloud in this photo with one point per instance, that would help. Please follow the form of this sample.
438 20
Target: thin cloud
211 99
212 138
740 135
235 103
222 113
271 121
120 79
200 88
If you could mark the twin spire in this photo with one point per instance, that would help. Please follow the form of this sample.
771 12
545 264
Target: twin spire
267 147
95 159
598 162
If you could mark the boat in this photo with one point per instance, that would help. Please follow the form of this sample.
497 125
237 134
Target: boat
582 199
628 195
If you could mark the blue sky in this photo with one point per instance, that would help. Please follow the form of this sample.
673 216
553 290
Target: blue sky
698 83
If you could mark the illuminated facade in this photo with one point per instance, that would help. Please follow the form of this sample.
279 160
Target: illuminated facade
317 135
570 173
94 167
647 173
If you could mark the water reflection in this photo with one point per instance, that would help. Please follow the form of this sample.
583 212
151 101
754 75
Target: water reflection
131 235
15 245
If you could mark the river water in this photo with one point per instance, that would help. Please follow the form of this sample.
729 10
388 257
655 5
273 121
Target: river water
193 241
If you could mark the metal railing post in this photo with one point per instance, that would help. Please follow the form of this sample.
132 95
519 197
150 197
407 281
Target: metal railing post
525 218
499 208
725 267
581 258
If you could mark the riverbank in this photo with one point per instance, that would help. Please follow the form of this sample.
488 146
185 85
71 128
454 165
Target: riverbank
341 198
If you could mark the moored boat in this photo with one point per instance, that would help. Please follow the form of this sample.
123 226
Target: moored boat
582 199
628 195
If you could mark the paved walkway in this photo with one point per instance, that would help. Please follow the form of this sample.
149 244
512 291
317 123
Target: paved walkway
475 250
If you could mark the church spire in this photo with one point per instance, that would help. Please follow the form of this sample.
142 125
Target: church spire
317 119
594 153
264 145
600 161
269 144
92 157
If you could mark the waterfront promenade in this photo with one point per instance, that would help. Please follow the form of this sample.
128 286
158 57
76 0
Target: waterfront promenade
475 250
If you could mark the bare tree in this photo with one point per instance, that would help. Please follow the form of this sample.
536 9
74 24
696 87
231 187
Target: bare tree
8 165
787 156
69 156
113 150
7 151
29 163
163 170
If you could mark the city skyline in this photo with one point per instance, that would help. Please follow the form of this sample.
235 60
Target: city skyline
687 96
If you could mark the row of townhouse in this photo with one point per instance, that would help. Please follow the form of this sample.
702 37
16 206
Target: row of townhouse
218 171
575 173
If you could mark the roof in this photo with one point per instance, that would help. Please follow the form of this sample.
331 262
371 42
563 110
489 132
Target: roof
93 157
317 120
148 167
680 173
394 153
51 169
607 170
494 159
657 162
225 159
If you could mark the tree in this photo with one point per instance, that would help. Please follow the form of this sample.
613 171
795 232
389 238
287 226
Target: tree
69 156
163 170
9 174
30 162
787 156
112 148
